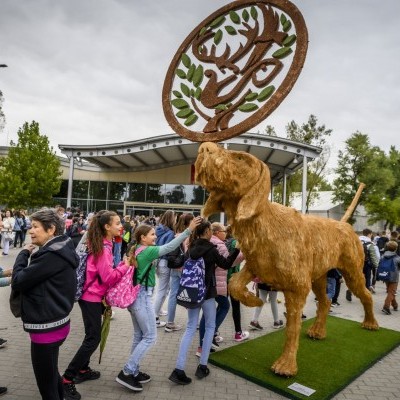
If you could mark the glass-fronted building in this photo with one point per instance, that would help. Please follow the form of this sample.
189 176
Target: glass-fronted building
149 176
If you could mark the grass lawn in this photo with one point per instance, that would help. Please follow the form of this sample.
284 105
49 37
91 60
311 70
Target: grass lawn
326 366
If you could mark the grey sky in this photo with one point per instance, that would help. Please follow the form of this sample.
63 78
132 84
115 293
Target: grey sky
91 71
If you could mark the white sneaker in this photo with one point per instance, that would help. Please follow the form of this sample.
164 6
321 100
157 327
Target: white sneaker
239 337
160 324
218 339
172 327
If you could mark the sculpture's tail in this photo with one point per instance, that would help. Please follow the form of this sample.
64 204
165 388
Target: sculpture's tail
353 204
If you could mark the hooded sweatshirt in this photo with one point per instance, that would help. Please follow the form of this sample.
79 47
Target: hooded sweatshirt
164 236
204 248
47 284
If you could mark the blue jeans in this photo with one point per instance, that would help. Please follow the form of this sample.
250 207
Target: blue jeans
208 308
145 330
330 287
221 312
174 281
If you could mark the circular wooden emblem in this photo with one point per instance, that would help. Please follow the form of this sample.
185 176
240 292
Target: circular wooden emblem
234 69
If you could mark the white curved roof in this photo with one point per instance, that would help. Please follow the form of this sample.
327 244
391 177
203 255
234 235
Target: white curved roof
281 155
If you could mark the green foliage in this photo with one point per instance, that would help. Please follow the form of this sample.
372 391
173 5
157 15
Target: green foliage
361 162
316 135
30 174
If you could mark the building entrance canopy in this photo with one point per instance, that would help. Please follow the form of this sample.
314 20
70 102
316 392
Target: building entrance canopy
282 156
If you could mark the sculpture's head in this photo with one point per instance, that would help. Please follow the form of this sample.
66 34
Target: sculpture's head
234 175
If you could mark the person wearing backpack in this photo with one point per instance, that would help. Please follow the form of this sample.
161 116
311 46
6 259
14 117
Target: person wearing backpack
100 276
142 310
371 259
391 285
222 277
176 263
46 280
201 247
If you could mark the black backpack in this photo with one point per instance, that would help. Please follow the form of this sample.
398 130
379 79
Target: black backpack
367 257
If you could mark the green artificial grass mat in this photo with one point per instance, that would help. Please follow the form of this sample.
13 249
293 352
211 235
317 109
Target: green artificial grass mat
327 365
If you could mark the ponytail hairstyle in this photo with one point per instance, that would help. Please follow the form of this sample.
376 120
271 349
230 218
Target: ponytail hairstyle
141 230
97 231
183 222
199 231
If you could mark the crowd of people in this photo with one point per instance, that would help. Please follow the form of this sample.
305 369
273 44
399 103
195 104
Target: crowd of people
156 248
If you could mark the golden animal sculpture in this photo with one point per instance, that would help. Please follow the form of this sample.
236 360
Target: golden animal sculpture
284 248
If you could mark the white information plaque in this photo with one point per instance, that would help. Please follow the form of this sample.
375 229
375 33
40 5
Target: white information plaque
297 387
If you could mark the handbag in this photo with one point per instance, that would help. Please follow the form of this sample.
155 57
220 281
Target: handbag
9 236
123 293
15 303
176 258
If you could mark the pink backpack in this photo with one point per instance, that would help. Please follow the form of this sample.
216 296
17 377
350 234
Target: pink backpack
124 293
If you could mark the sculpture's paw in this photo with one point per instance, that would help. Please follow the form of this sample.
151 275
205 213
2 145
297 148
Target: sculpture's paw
250 300
371 325
285 366
317 332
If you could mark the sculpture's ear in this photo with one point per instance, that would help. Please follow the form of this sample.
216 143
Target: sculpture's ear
213 205
250 203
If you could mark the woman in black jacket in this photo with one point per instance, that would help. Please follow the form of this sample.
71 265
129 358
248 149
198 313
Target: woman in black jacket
47 283
200 246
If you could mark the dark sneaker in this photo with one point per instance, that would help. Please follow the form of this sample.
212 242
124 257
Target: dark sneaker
70 392
86 375
278 324
386 311
202 371
129 381
348 295
142 377
178 376
256 326
3 343
3 390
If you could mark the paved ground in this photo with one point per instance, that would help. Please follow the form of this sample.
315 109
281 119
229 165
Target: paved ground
379 382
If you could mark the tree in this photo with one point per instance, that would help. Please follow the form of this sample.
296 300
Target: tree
30 174
386 205
2 116
360 162
316 135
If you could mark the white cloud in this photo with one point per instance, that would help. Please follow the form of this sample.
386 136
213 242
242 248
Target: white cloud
92 71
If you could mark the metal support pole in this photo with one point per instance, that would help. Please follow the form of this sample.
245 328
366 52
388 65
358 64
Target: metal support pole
70 181
304 187
284 188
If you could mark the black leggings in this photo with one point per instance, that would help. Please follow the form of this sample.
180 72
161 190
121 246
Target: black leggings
91 314
45 366
236 314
